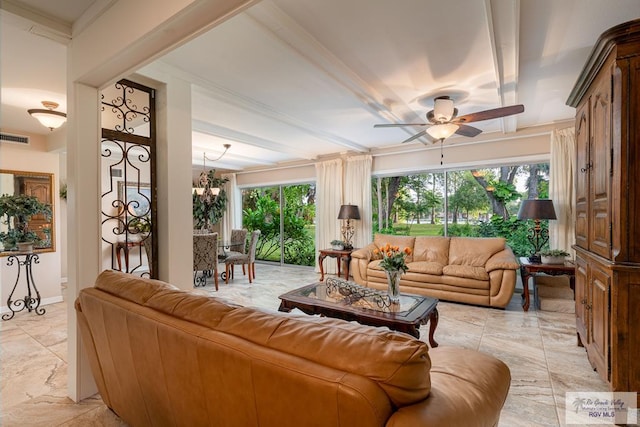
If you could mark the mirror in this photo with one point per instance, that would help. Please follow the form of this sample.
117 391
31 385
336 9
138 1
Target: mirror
39 185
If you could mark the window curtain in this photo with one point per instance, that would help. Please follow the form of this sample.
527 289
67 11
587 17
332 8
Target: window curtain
357 191
562 188
233 214
328 201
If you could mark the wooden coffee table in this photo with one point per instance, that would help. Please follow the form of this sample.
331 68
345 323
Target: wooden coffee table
364 305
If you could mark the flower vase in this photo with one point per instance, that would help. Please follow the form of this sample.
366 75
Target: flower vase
393 282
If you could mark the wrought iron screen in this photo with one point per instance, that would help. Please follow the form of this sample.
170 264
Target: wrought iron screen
129 179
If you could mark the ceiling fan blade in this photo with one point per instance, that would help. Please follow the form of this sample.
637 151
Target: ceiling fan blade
490 114
395 125
466 130
416 136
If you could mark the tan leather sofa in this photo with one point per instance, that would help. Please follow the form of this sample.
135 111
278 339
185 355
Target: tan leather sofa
166 357
478 271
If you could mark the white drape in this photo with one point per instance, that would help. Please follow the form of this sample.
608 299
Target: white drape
562 188
328 201
233 213
357 191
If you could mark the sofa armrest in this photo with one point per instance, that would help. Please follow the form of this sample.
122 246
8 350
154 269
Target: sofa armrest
468 388
360 260
503 260
365 253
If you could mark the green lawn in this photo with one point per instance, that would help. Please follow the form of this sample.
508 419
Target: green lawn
419 229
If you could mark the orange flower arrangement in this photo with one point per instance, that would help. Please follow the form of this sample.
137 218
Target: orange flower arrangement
393 259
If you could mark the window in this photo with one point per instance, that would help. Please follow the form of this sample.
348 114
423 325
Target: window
481 202
285 215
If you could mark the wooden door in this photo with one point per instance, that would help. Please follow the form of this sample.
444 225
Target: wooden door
40 189
600 167
582 175
598 307
582 313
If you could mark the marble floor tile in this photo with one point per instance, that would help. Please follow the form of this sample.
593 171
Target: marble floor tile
538 347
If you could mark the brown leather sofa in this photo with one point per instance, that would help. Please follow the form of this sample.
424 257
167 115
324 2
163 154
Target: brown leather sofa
165 357
472 270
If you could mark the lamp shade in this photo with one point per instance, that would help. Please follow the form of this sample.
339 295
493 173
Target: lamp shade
537 209
349 212
48 117
443 131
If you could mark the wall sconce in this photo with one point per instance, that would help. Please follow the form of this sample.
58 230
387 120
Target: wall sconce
48 117
537 209
348 212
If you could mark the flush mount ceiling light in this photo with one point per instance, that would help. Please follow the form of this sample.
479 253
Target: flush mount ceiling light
48 117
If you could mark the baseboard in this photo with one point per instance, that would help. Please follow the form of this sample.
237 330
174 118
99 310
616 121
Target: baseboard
44 301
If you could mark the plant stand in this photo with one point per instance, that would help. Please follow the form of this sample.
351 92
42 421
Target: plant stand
30 302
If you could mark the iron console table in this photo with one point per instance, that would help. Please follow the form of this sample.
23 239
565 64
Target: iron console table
30 302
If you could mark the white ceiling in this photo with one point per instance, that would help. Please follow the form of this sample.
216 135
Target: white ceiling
291 80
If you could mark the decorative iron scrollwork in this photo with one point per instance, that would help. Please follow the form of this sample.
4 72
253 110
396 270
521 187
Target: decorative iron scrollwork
352 292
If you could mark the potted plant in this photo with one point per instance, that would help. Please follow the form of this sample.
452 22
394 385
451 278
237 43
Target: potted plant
15 212
338 245
553 256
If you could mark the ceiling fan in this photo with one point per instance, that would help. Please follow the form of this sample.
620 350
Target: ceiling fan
444 121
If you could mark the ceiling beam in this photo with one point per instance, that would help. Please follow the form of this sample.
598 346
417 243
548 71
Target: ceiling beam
40 24
211 89
244 138
503 21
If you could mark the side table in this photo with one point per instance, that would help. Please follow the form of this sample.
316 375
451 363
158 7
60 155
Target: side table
340 255
32 300
528 269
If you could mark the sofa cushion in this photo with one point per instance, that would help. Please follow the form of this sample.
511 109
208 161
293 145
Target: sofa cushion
431 248
473 251
426 267
466 271
129 287
397 362
401 242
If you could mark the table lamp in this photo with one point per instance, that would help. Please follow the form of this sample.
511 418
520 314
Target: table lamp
537 209
348 212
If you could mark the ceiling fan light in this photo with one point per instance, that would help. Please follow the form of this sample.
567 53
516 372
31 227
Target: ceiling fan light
443 109
442 131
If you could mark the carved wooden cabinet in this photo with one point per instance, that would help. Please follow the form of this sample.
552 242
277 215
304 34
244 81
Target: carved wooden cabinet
607 285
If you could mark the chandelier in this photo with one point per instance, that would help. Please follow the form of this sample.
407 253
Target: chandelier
206 185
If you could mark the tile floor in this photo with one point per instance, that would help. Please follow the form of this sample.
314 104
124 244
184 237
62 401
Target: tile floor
539 347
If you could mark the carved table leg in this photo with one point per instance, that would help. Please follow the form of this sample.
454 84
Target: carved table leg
433 324
321 258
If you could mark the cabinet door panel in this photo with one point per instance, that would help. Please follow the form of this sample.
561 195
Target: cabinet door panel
582 175
599 316
599 179
581 300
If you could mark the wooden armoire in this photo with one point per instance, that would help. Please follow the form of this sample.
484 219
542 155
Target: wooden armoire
607 285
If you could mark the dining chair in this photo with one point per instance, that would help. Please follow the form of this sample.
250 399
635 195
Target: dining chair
248 259
237 245
205 258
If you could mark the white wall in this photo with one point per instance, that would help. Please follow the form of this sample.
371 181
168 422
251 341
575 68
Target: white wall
526 146
46 274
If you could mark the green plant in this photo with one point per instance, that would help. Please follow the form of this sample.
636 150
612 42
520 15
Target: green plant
393 259
554 252
337 243
15 212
